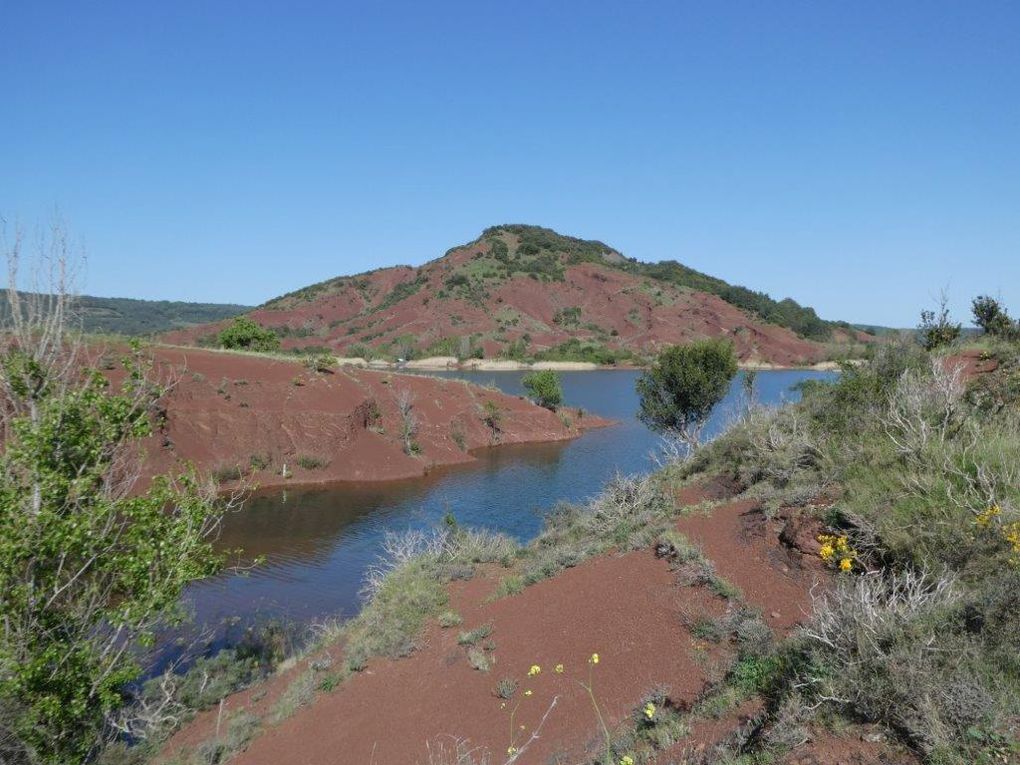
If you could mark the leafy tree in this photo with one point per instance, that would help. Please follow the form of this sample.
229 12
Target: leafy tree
90 566
991 317
544 387
679 390
248 335
936 328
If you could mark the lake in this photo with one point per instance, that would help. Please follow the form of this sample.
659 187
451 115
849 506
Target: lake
317 543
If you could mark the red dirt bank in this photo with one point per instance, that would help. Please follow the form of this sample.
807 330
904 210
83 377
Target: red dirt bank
235 411
629 608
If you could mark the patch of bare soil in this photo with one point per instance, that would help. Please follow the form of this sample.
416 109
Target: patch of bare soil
628 608
747 551
279 423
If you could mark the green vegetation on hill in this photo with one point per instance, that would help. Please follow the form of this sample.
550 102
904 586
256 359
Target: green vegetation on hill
541 254
535 242
127 316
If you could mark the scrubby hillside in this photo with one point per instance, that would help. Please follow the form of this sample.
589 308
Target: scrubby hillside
834 581
524 292
128 316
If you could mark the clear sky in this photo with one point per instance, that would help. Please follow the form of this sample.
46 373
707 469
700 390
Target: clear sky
857 156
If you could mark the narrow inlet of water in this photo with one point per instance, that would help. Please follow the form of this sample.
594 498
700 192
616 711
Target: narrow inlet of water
317 543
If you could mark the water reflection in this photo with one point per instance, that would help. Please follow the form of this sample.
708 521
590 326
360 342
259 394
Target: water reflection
317 543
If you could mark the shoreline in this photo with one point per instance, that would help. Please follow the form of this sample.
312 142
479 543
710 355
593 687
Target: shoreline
451 364
431 470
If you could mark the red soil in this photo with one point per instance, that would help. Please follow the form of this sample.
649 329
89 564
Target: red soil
971 364
746 550
227 408
628 608
644 314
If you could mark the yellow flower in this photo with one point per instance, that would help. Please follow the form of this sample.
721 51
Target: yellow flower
985 517
527 693
827 551
559 669
535 670
594 658
511 750
845 564
626 760
649 710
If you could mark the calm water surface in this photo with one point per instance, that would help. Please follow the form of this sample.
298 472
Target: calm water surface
317 543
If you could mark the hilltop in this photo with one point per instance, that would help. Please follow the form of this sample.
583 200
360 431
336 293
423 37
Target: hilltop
525 292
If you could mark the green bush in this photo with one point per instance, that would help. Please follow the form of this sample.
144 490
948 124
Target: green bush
113 564
936 329
245 334
678 392
544 387
992 318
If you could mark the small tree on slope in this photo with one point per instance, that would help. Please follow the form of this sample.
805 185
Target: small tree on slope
685 382
89 565
544 387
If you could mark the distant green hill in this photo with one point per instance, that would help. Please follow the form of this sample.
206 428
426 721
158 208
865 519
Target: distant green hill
127 316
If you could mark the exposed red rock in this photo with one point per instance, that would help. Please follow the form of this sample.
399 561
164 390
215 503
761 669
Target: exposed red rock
594 301
972 363
260 414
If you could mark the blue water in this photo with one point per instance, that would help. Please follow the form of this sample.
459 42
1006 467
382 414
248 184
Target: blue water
317 543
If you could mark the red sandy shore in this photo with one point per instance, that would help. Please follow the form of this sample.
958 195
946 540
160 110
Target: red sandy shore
227 410
629 608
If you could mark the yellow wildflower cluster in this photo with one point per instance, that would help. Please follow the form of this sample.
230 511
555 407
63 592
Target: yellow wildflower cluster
626 760
985 518
836 550
1010 532
535 670
649 710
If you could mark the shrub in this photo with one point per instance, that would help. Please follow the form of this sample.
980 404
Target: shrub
323 362
473 636
449 619
246 334
492 416
260 461
118 560
683 385
478 659
310 462
404 399
936 328
505 688
992 318
544 387
225 473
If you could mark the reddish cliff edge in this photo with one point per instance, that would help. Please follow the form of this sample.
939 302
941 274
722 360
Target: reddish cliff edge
259 414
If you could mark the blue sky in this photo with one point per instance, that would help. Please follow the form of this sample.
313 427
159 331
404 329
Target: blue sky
857 156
